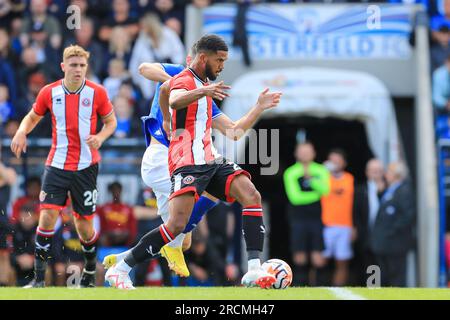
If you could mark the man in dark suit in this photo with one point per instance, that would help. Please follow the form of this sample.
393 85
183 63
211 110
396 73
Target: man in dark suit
366 204
392 233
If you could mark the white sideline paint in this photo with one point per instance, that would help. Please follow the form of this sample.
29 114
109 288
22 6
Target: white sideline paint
345 294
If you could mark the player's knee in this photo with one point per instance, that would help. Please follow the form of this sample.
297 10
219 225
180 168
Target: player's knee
318 260
300 258
253 197
47 219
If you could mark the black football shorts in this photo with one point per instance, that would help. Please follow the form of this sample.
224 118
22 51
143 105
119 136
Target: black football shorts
82 185
214 178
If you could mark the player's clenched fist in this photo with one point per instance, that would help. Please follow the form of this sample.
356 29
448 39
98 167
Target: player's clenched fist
217 90
267 100
94 141
19 143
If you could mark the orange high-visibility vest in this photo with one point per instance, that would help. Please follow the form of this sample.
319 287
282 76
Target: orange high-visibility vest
337 206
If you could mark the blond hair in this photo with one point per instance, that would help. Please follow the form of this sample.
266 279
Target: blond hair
75 51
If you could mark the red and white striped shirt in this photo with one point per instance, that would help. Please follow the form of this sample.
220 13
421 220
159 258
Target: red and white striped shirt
191 141
74 118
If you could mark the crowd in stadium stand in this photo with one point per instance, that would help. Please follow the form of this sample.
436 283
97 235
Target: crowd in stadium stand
121 34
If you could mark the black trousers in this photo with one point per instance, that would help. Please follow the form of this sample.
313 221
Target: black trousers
393 269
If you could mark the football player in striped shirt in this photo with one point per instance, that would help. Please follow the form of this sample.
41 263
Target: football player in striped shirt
195 166
74 104
155 171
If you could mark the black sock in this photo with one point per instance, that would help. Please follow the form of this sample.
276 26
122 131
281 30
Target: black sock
149 245
42 252
301 275
253 228
323 276
90 252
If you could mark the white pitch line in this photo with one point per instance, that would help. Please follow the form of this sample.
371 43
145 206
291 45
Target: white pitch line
345 294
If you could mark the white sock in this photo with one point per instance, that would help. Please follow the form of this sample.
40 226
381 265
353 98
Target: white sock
121 256
254 264
123 267
178 241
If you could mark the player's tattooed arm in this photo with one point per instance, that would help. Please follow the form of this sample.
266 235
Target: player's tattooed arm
181 98
19 141
153 71
236 129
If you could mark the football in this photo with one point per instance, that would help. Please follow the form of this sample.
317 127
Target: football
282 272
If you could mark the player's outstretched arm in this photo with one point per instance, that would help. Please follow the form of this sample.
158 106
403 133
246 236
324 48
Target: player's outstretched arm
109 126
181 98
19 141
236 129
153 71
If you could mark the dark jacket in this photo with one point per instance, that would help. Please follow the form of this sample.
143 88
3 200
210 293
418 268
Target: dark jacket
361 218
393 229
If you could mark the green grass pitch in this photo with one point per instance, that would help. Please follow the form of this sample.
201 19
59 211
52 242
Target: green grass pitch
224 293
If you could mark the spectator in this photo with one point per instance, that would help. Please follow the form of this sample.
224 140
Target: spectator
10 129
117 221
6 13
134 96
84 37
29 66
156 43
40 21
44 52
441 88
203 264
119 48
171 12
120 17
337 210
36 82
6 108
31 198
366 205
440 36
8 78
23 244
6 50
126 126
116 75
221 226
14 35
305 183
392 233
8 178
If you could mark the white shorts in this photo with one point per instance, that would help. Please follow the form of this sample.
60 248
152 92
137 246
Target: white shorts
155 173
338 242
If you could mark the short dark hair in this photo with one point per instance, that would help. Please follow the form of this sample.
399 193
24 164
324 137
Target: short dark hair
340 152
210 43
114 185
33 180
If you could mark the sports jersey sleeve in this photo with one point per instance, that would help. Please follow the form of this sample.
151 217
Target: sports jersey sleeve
172 69
105 107
215 111
183 82
40 106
